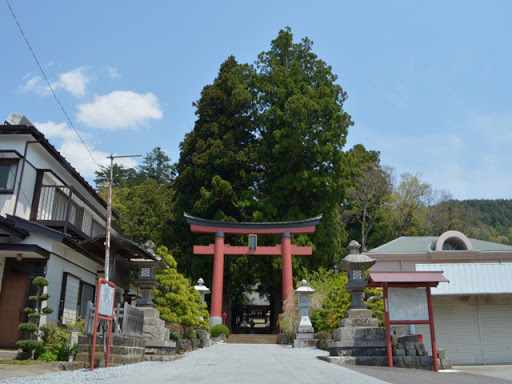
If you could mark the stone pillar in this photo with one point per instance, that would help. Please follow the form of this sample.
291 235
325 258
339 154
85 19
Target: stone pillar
218 280
287 271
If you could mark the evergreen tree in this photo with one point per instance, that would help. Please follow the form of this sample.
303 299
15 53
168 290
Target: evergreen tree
216 166
157 166
302 130
175 297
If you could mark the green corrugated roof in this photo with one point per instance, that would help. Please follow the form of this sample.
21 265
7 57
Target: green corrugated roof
415 244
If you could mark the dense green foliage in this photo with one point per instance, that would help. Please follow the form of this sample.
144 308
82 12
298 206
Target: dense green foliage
57 340
218 330
175 298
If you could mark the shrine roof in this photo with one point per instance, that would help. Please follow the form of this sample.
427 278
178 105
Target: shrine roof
211 226
419 278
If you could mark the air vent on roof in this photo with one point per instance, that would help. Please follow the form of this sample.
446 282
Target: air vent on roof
18 119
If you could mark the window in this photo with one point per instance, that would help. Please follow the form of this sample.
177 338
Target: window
8 168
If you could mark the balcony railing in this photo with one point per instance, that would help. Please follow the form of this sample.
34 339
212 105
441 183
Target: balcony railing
63 208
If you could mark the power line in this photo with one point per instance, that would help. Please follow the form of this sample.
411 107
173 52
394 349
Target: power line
49 85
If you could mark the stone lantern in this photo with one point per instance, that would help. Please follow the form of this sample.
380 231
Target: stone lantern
203 290
146 280
355 265
305 334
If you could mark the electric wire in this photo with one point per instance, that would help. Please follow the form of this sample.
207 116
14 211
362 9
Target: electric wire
49 85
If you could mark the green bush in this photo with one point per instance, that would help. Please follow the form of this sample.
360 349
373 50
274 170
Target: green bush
189 333
27 327
218 330
29 345
176 298
47 310
48 356
175 336
324 335
40 281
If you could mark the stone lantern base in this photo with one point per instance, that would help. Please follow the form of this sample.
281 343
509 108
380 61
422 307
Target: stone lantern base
305 337
358 335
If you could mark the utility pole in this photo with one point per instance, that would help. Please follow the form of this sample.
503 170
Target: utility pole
109 214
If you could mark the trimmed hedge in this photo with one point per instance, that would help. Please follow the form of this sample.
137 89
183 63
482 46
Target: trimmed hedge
218 330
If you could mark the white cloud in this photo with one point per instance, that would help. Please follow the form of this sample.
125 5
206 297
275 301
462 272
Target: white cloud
74 151
74 82
37 85
56 130
120 110
113 73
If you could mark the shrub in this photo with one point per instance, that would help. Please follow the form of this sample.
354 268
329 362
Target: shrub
27 327
324 335
29 345
175 336
189 333
175 298
218 330
58 338
48 356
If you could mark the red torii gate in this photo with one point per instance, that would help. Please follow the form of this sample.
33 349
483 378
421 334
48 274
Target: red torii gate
220 228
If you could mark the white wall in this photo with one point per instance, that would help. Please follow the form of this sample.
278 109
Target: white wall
64 259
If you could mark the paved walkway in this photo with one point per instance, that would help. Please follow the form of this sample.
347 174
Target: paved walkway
263 363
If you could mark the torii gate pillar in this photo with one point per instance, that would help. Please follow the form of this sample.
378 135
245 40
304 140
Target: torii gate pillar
287 271
218 280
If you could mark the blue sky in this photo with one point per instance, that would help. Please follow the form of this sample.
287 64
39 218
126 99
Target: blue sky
429 83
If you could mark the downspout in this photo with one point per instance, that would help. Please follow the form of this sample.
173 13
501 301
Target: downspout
21 174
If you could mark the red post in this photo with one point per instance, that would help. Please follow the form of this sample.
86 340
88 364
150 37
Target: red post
218 280
432 331
287 271
107 318
389 348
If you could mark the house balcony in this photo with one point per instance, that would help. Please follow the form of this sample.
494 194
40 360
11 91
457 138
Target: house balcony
64 209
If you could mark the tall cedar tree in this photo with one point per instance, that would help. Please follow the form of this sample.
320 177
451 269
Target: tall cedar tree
302 130
216 171
157 166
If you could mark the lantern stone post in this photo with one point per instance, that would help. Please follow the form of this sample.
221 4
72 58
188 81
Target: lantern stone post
204 337
305 336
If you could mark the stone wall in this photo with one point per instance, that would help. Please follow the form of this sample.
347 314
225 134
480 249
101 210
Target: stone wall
124 350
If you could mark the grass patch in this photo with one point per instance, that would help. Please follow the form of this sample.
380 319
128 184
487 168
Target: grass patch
21 362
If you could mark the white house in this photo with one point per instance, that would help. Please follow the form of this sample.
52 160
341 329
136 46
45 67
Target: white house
473 312
52 224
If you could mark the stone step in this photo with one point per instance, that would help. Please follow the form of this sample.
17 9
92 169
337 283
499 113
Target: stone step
162 357
7 354
251 339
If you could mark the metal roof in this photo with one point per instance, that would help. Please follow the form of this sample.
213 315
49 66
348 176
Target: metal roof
472 278
423 244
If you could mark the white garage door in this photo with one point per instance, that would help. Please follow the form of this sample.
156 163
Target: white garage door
473 329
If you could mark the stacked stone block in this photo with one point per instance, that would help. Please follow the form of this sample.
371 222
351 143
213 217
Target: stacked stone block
158 345
123 350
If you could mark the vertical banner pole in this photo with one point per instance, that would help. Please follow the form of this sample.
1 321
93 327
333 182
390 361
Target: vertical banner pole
388 327
432 330
95 326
